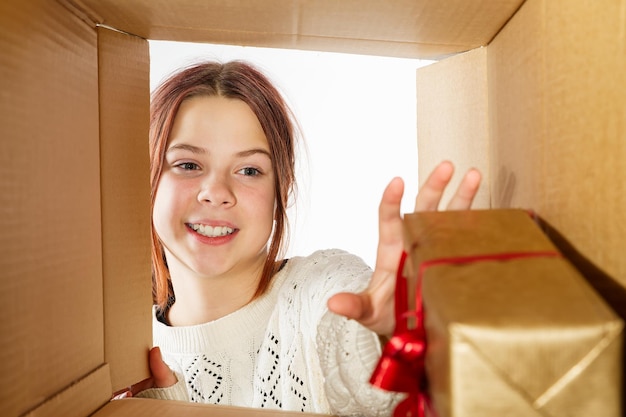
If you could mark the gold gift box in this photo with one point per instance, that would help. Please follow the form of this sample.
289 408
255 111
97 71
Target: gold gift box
526 336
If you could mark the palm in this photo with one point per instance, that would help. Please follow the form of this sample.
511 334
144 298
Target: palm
374 306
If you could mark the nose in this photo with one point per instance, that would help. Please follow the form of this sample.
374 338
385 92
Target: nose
217 191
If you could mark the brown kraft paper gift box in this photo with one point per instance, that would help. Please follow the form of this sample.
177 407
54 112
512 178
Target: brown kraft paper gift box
525 336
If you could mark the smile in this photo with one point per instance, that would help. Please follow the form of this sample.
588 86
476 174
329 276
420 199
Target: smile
210 231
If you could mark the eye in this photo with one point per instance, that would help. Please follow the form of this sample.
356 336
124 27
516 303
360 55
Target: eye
249 172
187 166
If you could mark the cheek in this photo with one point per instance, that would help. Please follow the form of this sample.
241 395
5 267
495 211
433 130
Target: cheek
158 217
164 208
262 206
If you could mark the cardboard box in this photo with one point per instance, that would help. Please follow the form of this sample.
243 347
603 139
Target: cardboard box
542 113
513 329
548 97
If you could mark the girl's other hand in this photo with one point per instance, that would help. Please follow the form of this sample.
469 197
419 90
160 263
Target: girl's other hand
374 307
162 376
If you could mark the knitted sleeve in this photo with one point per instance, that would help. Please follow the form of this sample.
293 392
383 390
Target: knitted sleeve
348 351
348 354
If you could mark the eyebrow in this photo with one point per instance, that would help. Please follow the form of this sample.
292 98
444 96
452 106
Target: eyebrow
199 150
254 151
186 147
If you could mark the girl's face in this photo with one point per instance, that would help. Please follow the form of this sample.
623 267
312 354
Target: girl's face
214 204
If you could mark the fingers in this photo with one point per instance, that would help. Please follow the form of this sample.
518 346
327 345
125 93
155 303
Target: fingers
389 209
430 194
161 373
162 377
462 199
139 386
392 197
390 225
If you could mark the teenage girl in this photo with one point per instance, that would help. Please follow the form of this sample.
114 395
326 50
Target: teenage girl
234 322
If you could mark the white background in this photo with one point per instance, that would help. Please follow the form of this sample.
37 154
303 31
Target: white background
358 118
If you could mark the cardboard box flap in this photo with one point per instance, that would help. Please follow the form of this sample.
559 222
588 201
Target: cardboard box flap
125 189
557 96
82 398
408 28
51 257
75 240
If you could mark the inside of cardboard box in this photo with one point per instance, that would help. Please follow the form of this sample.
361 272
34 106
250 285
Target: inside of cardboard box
551 86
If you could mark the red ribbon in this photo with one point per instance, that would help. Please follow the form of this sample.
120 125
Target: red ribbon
401 367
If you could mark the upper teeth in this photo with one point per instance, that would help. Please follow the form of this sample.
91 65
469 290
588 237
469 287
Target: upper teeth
211 231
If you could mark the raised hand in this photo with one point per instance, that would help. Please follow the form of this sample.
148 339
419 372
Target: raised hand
374 306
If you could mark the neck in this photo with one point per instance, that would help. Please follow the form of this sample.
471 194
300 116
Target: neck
204 299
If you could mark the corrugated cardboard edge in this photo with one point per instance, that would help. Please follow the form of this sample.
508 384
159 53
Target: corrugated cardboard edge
142 407
124 83
82 398
77 8
425 29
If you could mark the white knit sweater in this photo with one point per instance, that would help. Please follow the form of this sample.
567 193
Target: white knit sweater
284 350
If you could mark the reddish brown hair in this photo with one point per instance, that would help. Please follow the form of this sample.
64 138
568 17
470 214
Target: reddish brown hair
241 81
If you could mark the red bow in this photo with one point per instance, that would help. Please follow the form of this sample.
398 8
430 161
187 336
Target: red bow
401 367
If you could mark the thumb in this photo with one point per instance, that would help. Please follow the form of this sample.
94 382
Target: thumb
161 373
352 306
